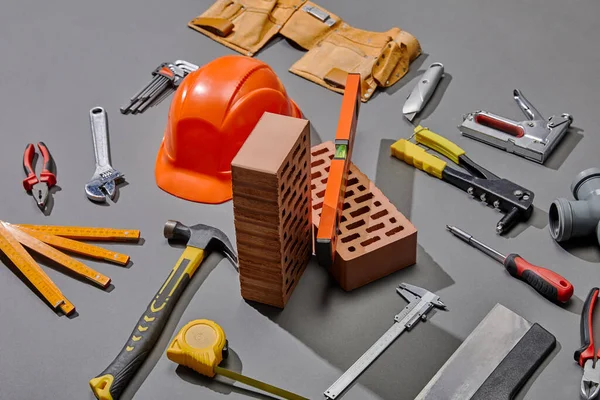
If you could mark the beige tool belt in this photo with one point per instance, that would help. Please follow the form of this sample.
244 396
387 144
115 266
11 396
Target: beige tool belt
334 48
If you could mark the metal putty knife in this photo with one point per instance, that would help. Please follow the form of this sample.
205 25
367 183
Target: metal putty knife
494 362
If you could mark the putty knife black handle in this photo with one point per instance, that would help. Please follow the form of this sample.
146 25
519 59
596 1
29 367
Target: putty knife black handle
111 383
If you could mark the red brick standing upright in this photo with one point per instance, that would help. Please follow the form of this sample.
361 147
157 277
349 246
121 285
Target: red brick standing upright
375 239
272 203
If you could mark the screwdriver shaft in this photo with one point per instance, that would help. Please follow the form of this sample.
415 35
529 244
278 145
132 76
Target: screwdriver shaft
476 243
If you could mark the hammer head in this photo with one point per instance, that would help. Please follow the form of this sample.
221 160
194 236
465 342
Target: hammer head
201 236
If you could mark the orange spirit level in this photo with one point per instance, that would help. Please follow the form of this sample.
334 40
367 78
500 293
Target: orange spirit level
335 190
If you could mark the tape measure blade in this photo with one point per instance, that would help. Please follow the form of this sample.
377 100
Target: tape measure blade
258 384
360 365
29 268
84 249
73 265
87 233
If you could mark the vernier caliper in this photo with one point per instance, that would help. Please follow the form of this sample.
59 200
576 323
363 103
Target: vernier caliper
420 302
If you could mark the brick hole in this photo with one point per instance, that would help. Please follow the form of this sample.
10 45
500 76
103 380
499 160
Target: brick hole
375 227
293 170
285 221
352 182
287 280
319 152
324 180
284 235
370 241
361 211
315 175
339 231
305 164
357 224
346 206
304 138
313 187
349 172
393 220
351 249
290 286
283 213
285 168
304 201
394 230
377 203
302 155
321 194
379 214
317 206
343 219
296 150
316 163
327 168
331 156
350 238
349 193
364 197
362 188
286 194
306 187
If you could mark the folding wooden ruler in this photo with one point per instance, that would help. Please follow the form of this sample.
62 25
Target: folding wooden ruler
43 240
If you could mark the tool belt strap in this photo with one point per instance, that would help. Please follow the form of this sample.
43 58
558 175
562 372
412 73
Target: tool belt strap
334 47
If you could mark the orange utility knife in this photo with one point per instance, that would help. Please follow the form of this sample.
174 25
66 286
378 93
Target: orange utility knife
335 190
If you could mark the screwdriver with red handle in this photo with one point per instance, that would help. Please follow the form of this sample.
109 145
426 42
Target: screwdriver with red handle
548 283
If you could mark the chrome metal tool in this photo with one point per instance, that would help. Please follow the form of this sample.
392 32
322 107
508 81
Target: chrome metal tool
103 180
421 94
165 79
533 139
420 302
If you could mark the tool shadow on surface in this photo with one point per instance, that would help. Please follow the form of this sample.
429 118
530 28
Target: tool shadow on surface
564 148
391 171
414 70
158 350
585 248
221 384
344 334
434 101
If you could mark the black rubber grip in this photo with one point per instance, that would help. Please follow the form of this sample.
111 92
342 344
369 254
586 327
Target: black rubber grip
140 343
539 283
585 329
518 365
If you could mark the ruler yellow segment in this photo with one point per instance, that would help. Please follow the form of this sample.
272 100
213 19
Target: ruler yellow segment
74 246
76 266
87 233
34 274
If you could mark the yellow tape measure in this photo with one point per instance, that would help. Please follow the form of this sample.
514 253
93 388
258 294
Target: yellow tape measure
200 345
34 274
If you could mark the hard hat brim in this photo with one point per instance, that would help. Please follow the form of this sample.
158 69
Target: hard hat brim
190 185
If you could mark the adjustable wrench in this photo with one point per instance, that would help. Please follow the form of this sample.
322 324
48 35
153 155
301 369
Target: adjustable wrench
103 180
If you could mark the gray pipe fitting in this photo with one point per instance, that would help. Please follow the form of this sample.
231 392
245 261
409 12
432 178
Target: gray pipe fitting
571 219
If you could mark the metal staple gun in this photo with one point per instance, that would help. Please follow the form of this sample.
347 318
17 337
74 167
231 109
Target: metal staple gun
534 138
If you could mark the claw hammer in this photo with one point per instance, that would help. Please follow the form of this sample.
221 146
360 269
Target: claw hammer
111 383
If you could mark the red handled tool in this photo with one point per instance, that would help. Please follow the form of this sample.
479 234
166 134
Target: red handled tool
38 187
586 356
548 283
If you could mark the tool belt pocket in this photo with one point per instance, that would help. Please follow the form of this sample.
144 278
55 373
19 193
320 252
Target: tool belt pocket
309 25
244 25
376 56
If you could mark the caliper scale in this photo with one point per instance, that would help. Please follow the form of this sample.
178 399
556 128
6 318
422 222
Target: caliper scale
420 302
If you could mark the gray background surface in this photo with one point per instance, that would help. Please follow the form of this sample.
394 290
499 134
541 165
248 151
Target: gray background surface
61 58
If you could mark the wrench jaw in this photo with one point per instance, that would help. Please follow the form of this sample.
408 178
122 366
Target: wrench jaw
102 185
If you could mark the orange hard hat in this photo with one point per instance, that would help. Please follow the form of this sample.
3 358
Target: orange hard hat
212 113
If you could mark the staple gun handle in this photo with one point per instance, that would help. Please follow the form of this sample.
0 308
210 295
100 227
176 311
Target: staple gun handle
500 124
528 109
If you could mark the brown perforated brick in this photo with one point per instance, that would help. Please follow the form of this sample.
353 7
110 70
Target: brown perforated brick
375 238
271 204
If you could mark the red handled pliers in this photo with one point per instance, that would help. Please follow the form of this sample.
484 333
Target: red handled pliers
38 187
586 356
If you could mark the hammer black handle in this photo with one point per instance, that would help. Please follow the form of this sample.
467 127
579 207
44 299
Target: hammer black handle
111 383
